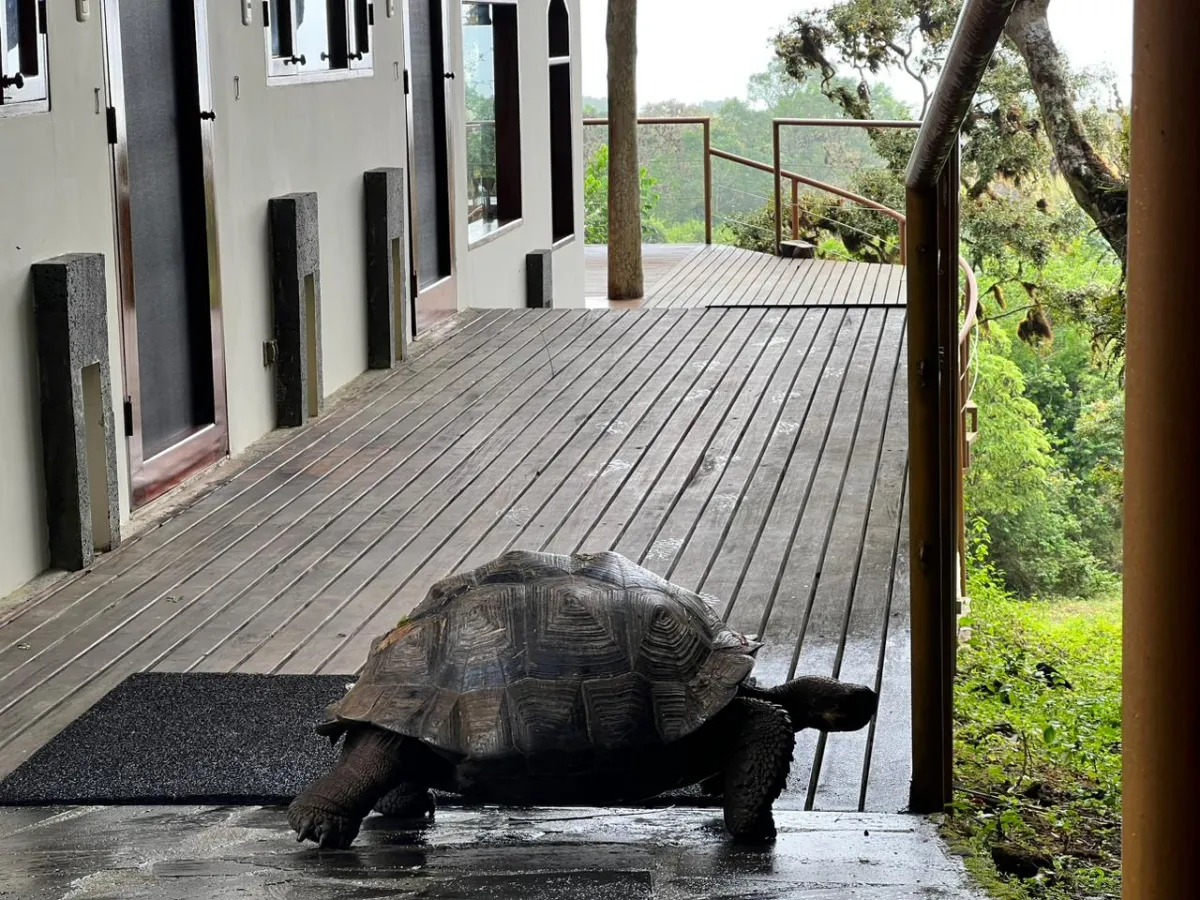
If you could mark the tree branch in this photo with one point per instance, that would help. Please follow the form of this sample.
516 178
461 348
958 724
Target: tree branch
1098 188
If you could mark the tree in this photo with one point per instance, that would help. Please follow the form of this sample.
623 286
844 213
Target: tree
1027 118
625 279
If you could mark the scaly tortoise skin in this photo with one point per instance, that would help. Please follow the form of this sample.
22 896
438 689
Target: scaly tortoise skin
546 679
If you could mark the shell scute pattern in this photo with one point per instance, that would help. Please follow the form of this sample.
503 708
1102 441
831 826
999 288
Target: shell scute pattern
535 653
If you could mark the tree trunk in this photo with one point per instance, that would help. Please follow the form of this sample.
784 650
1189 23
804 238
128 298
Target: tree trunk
1099 189
624 183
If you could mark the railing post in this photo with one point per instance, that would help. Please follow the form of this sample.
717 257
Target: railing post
903 226
776 154
927 790
795 210
708 182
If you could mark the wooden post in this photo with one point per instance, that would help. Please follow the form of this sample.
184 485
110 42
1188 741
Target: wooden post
708 182
775 155
795 210
1161 730
927 790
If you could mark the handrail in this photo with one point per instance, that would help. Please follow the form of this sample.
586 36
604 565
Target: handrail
979 28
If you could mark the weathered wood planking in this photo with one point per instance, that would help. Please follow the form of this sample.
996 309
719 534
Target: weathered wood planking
755 453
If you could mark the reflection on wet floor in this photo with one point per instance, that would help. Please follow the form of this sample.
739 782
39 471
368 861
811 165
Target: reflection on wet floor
181 853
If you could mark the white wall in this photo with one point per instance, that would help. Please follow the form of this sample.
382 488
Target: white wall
492 274
280 139
55 197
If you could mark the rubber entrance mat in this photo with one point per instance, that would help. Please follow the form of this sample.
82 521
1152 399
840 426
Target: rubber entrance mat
199 738
195 738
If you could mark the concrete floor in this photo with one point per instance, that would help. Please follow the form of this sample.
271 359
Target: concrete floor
180 853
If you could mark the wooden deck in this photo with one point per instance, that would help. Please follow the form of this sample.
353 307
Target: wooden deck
687 275
757 454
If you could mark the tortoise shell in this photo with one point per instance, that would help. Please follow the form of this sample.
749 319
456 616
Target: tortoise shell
536 653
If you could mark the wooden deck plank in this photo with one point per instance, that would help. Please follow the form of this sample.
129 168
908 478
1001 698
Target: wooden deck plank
683 275
441 482
685 426
242 622
692 473
736 450
130 643
864 639
74 626
269 475
688 541
565 513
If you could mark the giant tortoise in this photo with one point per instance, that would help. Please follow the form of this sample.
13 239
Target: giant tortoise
541 679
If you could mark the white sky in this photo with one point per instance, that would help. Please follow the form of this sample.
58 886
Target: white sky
694 50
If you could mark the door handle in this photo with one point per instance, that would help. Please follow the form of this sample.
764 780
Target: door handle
208 115
449 76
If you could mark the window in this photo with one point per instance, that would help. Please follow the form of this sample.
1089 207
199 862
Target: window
493 115
24 86
562 179
318 39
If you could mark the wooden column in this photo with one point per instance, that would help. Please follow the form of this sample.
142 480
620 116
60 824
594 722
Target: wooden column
1162 466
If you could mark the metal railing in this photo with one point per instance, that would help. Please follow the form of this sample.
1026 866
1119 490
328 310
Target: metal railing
777 126
939 399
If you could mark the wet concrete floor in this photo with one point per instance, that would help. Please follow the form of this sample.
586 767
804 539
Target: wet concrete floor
221 853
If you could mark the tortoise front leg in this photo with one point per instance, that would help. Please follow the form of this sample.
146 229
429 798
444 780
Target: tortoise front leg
332 808
757 771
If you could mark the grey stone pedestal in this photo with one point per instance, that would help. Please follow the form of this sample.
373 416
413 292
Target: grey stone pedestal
296 296
79 448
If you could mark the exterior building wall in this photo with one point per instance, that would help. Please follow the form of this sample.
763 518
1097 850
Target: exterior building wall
57 196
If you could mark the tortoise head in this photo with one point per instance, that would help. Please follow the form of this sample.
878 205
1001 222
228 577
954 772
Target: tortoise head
825 704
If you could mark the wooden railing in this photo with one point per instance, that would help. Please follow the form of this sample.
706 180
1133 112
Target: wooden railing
938 443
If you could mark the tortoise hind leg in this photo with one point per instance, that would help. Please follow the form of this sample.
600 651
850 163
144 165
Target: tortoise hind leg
331 809
757 771
408 801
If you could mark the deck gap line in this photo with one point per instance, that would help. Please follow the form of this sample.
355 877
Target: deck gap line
887 615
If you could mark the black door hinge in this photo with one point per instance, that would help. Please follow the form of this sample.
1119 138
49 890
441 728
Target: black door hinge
42 29
406 81
111 115
128 417
266 13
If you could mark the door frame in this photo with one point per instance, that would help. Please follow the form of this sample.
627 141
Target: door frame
151 477
444 292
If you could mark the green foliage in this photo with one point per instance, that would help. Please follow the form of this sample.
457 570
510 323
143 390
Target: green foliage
1015 210
1038 738
595 202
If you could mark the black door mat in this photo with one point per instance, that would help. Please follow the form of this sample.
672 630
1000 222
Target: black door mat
197 738
226 739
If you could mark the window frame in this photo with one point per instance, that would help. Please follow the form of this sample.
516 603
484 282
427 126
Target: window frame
564 182
33 94
507 100
350 57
